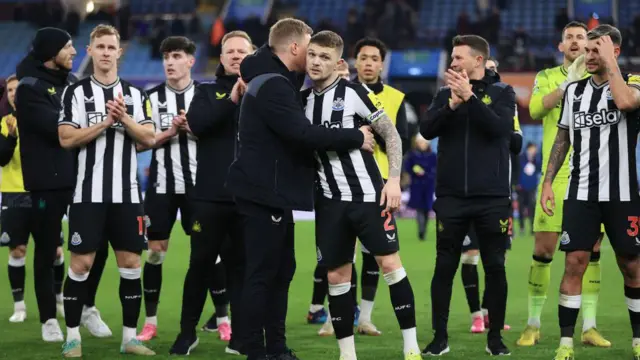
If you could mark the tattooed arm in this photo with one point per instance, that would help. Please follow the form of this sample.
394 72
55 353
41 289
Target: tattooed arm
387 130
559 152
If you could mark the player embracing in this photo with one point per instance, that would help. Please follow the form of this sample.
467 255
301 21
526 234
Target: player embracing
550 86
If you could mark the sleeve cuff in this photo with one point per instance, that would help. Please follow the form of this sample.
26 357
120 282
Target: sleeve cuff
147 121
60 123
562 126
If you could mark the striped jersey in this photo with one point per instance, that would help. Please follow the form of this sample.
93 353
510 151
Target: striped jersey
106 167
346 175
603 160
173 165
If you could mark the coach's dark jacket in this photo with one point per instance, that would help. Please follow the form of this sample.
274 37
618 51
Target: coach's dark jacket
45 164
275 165
474 140
213 118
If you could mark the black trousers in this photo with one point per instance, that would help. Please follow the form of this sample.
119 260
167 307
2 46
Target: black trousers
48 208
216 229
270 265
490 216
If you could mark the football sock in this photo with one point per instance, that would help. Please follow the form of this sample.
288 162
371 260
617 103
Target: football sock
539 279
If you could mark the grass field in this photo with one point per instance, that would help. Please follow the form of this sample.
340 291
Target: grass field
22 341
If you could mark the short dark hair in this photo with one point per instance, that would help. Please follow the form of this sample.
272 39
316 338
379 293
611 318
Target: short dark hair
369 41
328 39
178 43
603 30
574 24
475 42
531 144
491 58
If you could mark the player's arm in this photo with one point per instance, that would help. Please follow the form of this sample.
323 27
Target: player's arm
284 117
206 115
8 141
140 127
370 108
496 121
515 145
626 94
70 134
561 144
402 126
35 113
544 98
438 116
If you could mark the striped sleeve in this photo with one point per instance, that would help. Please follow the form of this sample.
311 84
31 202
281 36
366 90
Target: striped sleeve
564 122
633 81
69 114
144 115
367 106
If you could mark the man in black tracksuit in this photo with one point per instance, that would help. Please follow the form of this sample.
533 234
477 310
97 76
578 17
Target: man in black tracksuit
473 118
48 170
274 173
216 224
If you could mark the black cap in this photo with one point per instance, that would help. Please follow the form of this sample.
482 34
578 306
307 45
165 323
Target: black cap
48 43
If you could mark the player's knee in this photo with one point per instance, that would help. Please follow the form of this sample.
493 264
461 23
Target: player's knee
19 252
127 260
159 246
79 267
59 253
576 263
389 263
545 244
340 274
471 257
155 257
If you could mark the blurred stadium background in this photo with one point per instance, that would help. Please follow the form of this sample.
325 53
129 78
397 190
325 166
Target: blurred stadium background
523 35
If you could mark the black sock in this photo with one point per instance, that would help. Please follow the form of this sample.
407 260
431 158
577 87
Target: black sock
341 310
75 289
354 285
469 274
58 274
152 282
485 298
320 285
17 275
402 298
369 277
218 290
632 296
568 309
130 296
97 268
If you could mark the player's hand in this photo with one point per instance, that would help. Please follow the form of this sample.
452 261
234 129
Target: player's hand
577 69
391 196
369 141
547 200
455 101
238 90
12 128
114 113
606 49
343 69
180 121
459 84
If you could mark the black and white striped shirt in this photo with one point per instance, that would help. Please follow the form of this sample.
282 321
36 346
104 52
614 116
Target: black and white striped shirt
603 160
346 175
173 166
107 166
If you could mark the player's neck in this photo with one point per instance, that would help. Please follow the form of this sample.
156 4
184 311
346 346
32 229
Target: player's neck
600 78
179 84
370 82
323 84
478 74
566 63
108 77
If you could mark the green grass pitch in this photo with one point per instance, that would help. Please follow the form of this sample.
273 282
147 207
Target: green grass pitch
22 341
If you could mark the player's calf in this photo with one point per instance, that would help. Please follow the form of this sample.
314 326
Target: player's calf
470 282
341 309
74 288
570 295
152 283
17 273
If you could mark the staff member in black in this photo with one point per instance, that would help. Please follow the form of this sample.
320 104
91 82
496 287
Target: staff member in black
48 171
216 224
473 117
273 174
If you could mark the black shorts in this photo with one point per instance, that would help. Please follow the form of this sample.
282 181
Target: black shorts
123 225
581 225
471 240
161 211
16 220
339 223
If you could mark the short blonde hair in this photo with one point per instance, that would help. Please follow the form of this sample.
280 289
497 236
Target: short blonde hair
103 30
236 33
286 31
11 78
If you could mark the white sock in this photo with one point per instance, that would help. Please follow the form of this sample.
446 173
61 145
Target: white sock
485 312
19 305
59 298
535 322
73 333
588 324
410 341
221 320
128 334
476 314
347 348
152 320
315 308
566 341
635 342
366 308
86 309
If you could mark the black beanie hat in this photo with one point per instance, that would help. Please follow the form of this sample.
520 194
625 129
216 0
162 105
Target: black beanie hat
48 43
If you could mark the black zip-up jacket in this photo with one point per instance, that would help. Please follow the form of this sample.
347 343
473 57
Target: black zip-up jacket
45 164
213 119
275 165
474 140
